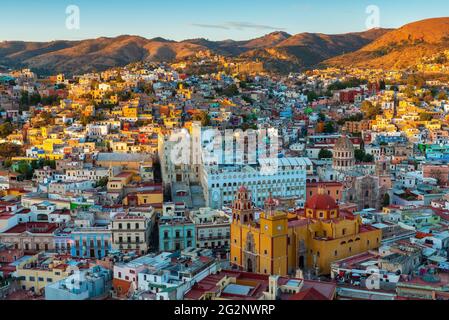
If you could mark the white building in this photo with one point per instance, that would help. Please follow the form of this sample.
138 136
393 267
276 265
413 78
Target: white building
220 183
212 228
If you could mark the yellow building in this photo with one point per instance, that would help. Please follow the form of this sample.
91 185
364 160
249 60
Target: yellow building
144 198
40 270
281 243
130 112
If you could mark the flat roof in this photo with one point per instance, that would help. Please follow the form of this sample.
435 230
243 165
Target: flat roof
237 289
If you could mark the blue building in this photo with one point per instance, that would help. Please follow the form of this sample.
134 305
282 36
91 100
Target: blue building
91 242
287 113
83 285
380 139
436 152
176 233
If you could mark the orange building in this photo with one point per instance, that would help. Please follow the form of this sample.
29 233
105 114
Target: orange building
333 189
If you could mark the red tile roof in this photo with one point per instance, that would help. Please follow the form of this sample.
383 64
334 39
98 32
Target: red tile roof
34 227
308 295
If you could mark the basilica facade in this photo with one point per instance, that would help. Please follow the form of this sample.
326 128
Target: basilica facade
282 243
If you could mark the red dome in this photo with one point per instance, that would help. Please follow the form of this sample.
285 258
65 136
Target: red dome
321 202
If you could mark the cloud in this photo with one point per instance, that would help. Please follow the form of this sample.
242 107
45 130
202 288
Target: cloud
237 25
210 26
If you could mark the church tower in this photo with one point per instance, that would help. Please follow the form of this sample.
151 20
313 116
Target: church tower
243 241
273 240
242 208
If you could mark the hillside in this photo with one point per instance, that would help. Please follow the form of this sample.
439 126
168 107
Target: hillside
95 54
309 49
400 49
279 50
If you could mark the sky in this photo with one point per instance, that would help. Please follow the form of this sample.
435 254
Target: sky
47 20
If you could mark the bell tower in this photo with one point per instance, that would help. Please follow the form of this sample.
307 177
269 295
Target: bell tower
273 239
244 248
242 208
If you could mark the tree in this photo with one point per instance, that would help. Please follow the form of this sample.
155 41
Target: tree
103 182
329 127
368 158
9 150
410 92
442 95
425 116
23 167
416 80
370 110
359 155
203 117
6 129
322 117
24 99
34 99
312 96
231 91
386 200
325 154
49 163
351 83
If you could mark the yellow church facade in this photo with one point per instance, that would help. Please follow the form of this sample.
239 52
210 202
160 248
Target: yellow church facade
282 243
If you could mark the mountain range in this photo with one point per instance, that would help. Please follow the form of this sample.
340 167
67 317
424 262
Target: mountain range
401 48
280 51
